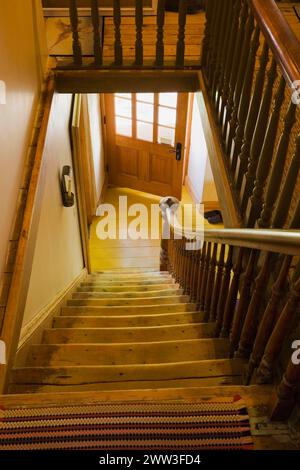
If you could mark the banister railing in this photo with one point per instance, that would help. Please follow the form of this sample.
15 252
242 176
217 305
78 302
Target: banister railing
161 58
250 79
246 282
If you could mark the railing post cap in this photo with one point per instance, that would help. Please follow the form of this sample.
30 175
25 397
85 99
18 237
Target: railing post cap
168 202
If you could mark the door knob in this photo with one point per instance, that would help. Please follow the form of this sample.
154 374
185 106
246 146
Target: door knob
177 150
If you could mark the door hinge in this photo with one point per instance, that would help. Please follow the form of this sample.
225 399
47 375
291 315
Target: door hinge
107 168
104 120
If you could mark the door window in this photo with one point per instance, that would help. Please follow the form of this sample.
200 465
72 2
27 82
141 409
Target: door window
147 116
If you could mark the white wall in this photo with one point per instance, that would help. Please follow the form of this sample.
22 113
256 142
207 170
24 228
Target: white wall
22 62
199 174
97 146
58 252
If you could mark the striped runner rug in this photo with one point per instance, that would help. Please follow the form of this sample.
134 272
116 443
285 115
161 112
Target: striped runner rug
205 425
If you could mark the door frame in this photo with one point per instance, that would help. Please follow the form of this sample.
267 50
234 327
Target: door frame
79 179
183 99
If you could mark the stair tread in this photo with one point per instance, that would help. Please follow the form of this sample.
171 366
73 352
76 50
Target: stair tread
126 334
117 373
114 310
118 301
128 353
163 319
127 294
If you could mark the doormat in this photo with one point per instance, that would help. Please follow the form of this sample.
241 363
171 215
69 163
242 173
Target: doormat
205 425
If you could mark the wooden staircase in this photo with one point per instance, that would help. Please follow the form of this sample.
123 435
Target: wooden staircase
127 330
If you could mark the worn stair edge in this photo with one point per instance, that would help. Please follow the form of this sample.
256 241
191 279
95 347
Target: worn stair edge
117 310
123 301
127 294
133 288
101 374
127 353
127 335
164 319
120 283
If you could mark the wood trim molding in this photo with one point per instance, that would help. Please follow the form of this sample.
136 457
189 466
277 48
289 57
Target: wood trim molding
33 331
217 160
126 81
26 225
77 160
190 190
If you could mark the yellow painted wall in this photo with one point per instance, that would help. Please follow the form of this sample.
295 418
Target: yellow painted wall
23 58
58 253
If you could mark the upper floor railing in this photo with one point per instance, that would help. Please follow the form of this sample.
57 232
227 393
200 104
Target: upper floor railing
251 65
135 40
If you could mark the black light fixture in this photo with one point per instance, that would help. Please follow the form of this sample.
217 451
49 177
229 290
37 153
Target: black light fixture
68 197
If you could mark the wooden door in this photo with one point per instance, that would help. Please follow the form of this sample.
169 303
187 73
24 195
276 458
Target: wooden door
143 132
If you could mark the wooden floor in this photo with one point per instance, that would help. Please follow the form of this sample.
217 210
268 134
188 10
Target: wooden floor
116 254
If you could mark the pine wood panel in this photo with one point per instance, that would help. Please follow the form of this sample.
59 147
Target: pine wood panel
138 353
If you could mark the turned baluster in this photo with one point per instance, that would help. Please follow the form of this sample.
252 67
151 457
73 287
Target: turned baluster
279 335
244 101
181 33
224 54
241 79
237 57
176 259
117 24
286 394
182 262
268 319
139 52
96 29
188 271
278 169
210 282
205 277
265 160
252 316
232 295
226 276
229 61
286 194
220 45
217 284
200 273
77 53
243 302
244 156
215 38
258 137
209 14
196 260
160 22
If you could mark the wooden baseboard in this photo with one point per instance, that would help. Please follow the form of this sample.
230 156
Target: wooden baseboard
190 190
33 331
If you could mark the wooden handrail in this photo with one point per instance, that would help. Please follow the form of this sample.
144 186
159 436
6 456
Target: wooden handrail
285 242
280 37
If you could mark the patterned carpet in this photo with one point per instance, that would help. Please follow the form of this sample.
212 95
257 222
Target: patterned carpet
208 425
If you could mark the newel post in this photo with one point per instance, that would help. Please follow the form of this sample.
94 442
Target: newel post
165 204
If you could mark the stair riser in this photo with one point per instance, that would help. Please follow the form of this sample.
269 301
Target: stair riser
141 353
123 301
154 282
127 335
129 321
131 310
127 295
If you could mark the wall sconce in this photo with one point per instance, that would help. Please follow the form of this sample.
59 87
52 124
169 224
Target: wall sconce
68 197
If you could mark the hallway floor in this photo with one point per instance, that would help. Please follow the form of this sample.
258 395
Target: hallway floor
115 254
